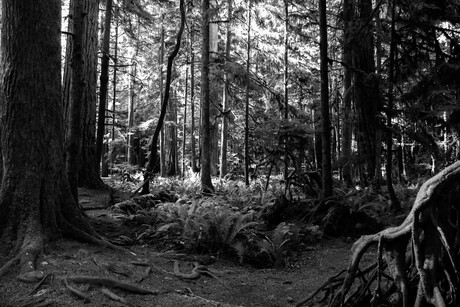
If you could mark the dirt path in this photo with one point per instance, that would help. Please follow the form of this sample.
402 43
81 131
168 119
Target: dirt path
234 285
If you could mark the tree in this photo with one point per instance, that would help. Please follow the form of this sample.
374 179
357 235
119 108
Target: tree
225 95
246 102
206 183
80 95
36 204
367 91
347 93
103 82
325 120
153 154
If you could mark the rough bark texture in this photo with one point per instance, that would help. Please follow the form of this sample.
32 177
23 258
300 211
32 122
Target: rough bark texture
367 94
206 183
246 100
85 93
74 132
103 83
88 175
325 120
36 204
225 97
347 95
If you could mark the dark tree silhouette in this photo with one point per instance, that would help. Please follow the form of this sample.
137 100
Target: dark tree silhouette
36 204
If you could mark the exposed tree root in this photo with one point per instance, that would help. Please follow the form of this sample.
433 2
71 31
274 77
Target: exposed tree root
109 282
419 258
114 297
76 292
196 272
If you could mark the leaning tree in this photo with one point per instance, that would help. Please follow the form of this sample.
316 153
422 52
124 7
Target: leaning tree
36 204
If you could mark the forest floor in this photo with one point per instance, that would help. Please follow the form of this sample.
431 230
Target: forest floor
230 283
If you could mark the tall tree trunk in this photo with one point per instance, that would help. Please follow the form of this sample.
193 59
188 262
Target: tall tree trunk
87 171
192 102
74 133
154 140
214 93
114 95
184 125
395 205
131 154
89 168
36 204
347 89
172 139
206 183
367 91
162 131
225 96
246 105
286 83
325 120
103 82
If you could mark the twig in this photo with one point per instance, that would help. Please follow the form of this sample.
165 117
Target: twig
40 283
76 292
114 297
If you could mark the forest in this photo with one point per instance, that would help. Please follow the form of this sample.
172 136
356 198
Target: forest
230 153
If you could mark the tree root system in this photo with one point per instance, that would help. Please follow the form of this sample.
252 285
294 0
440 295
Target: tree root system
417 262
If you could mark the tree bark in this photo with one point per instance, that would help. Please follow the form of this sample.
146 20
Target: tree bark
103 82
325 120
246 104
225 96
286 83
395 205
367 91
162 131
154 140
74 133
36 204
192 102
131 154
88 175
206 183
184 125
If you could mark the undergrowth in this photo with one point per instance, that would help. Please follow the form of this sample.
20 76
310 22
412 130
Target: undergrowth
250 224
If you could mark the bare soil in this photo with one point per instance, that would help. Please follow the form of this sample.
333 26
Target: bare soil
231 284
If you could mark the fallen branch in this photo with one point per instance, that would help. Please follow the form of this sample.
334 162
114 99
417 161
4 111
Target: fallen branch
109 282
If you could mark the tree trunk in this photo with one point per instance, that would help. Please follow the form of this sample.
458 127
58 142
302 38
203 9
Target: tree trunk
74 133
367 92
286 83
325 120
192 103
246 104
114 95
206 183
131 153
154 140
395 205
184 125
88 175
103 82
162 131
172 139
347 89
36 204
225 97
